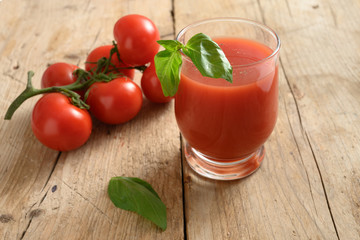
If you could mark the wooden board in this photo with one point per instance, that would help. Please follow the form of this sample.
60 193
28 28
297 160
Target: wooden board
50 195
308 186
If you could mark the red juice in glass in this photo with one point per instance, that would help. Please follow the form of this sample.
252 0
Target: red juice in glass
226 124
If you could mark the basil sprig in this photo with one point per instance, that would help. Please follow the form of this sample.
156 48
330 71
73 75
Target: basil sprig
134 194
206 55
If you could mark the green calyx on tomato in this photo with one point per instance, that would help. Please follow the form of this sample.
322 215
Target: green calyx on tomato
106 59
116 66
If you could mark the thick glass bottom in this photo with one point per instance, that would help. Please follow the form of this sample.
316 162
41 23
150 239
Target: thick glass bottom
223 169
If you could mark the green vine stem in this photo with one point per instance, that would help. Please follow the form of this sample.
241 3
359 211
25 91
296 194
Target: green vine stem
85 79
67 90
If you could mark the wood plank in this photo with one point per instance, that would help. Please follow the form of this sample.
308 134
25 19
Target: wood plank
25 165
308 186
47 196
321 57
285 199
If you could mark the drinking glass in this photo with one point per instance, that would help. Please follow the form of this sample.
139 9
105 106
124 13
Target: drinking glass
225 125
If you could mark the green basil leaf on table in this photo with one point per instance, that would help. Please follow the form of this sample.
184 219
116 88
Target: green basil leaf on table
134 194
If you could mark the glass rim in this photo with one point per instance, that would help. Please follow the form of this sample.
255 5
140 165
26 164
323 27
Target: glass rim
235 19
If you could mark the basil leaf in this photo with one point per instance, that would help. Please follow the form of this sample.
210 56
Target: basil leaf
136 195
145 184
171 45
167 65
208 57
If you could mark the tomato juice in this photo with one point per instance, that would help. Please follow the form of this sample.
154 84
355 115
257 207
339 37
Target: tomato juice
226 120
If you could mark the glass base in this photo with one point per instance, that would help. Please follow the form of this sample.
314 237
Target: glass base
221 169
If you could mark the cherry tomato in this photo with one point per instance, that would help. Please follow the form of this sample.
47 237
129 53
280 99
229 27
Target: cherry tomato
58 74
116 101
58 124
151 86
104 51
136 38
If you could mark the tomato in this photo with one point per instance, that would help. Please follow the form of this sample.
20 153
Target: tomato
115 102
58 74
104 51
58 124
136 38
151 86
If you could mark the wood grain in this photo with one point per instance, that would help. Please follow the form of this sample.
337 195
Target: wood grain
308 186
51 195
319 60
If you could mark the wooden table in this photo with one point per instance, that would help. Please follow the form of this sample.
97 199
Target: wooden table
307 188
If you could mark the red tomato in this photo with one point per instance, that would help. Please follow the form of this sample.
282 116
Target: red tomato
58 74
58 124
104 51
151 86
116 101
136 38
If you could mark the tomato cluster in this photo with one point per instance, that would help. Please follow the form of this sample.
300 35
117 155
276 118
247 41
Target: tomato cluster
113 97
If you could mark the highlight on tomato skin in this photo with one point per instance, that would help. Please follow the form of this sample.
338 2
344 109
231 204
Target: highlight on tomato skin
104 51
115 102
58 124
136 37
151 86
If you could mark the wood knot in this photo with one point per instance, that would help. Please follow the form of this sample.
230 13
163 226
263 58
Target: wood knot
71 56
316 6
16 67
187 180
5 218
36 213
53 189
